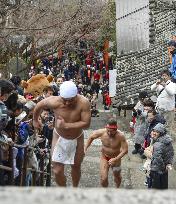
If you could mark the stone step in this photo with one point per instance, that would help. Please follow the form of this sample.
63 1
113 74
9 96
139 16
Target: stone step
85 196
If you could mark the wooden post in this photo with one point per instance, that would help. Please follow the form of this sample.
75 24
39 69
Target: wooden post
42 170
119 110
125 111
34 178
24 167
48 177
11 173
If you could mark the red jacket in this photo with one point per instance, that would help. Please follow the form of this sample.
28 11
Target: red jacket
88 61
107 100
96 76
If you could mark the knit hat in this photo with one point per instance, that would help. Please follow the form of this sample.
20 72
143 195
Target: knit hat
160 128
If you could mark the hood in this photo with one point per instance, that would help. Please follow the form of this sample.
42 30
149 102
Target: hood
160 119
165 139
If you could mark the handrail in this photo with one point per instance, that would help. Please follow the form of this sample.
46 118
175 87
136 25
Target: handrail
24 168
5 168
37 171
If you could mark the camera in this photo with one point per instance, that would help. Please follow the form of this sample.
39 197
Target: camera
50 119
160 79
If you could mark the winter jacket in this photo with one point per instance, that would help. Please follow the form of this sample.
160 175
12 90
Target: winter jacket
107 100
163 154
24 132
48 133
140 126
150 126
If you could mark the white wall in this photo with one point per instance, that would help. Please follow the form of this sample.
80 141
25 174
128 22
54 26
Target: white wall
133 30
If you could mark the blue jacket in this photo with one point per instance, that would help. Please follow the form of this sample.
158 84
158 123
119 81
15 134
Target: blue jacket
24 132
173 66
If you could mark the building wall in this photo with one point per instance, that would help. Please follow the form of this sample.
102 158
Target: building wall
132 25
138 70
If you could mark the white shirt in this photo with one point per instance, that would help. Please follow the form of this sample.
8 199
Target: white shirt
166 99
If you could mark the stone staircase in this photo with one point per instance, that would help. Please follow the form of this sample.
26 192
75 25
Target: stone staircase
83 196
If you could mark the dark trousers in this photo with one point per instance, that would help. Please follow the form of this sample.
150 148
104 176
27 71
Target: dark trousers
137 146
149 182
159 181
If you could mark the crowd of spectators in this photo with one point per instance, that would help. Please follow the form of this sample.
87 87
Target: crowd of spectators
154 130
16 110
153 121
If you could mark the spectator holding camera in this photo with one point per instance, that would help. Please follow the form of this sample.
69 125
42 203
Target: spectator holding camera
165 105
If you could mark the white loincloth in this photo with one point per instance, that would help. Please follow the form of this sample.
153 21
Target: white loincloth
64 150
116 168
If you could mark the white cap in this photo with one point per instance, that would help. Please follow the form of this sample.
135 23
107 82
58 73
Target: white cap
68 89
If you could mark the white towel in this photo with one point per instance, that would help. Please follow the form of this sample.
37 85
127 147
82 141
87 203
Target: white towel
64 151
16 171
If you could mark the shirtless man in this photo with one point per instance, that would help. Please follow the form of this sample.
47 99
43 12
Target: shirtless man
72 115
114 147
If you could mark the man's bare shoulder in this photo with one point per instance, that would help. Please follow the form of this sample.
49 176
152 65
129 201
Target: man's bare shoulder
83 101
51 102
121 134
100 132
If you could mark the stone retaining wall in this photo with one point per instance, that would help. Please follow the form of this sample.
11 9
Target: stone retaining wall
84 196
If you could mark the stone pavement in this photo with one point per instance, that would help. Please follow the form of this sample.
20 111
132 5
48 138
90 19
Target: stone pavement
132 175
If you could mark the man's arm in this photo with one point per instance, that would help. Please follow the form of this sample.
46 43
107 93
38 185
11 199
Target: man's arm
124 149
43 104
170 89
95 135
85 118
157 87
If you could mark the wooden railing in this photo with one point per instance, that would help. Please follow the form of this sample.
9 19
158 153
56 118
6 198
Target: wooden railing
41 173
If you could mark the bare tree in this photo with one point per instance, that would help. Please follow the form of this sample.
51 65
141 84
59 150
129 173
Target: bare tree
47 25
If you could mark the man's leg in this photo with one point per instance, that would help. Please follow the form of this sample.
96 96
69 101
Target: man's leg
104 169
117 177
76 168
58 170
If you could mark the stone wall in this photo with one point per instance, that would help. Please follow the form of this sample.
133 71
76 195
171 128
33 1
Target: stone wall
137 71
84 196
